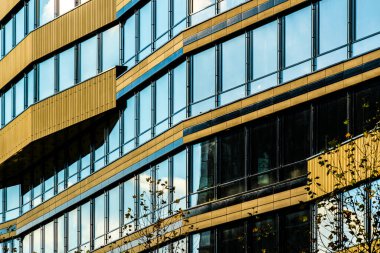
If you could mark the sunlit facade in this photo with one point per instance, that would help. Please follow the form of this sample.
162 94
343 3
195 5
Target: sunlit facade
226 100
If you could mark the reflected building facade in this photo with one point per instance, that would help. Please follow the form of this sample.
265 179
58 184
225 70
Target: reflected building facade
227 101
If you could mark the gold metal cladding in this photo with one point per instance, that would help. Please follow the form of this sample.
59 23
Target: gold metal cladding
6 7
60 32
81 102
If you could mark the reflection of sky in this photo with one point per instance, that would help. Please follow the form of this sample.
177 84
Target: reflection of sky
201 4
48 12
66 6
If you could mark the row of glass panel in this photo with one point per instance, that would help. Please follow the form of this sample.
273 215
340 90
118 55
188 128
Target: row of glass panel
275 148
33 13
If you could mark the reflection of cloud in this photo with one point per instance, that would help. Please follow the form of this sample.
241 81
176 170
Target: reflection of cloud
201 4
66 6
48 11
180 186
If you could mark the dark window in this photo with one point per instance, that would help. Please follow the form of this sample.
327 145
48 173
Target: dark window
232 238
263 151
203 242
331 116
296 232
264 235
232 162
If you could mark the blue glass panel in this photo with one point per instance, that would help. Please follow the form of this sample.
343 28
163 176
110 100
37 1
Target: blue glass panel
129 124
111 40
72 229
367 17
332 58
8 33
162 104
130 41
61 235
332 36
179 180
203 80
46 11
66 69
114 214
99 228
145 115
8 106
233 69
114 142
298 36
162 22
179 93
228 4
31 87
89 58
20 25
46 78
85 223
264 50
296 71
366 45
13 197
179 7
202 10
145 30
129 203
20 96
31 15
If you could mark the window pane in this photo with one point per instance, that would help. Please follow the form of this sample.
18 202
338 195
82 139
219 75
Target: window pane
114 141
37 240
129 203
203 81
162 104
179 93
298 36
20 25
145 116
66 69
61 234
8 32
46 78
162 22
66 6
264 50
114 214
179 7
146 30
8 106
162 180
367 18
203 242
130 40
129 124
99 157
31 15
49 238
72 229
89 58
228 4
144 191
331 117
31 87
263 151
297 232
232 161
264 233
20 96
233 69
179 180
46 10
99 221
332 12
111 47
202 10
232 238
203 161
13 197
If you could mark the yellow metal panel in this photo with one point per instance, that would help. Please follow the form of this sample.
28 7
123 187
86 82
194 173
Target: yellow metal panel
58 112
62 31
121 3
6 6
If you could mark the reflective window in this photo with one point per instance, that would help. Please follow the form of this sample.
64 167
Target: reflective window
49 238
232 238
19 96
202 10
129 203
129 125
144 191
72 229
203 242
66 6
203 171
162 22
296 232
162 104
114 214
232 155
13 197
264 50
99 157
88 58
145 116
332 12
31 87
162 180
203 81
66 69
85 225
20 25
130 41
233 69
114 141
264 233
367 18
46 78
8 33
99 221
46 11
37 240
179 180
145 30
179 16
110 48
179 93
264 152
297 43
228 4
8 106
31 15
61 235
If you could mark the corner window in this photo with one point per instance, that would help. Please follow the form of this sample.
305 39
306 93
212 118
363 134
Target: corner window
46 84
66 69
19 97
110 45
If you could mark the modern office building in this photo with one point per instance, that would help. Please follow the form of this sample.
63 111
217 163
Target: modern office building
228 101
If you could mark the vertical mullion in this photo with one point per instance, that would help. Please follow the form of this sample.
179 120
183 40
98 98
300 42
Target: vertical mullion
218 73
189 90
280 48
351 27
100 53
56 74
171 97
153 108
315 35
248 62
